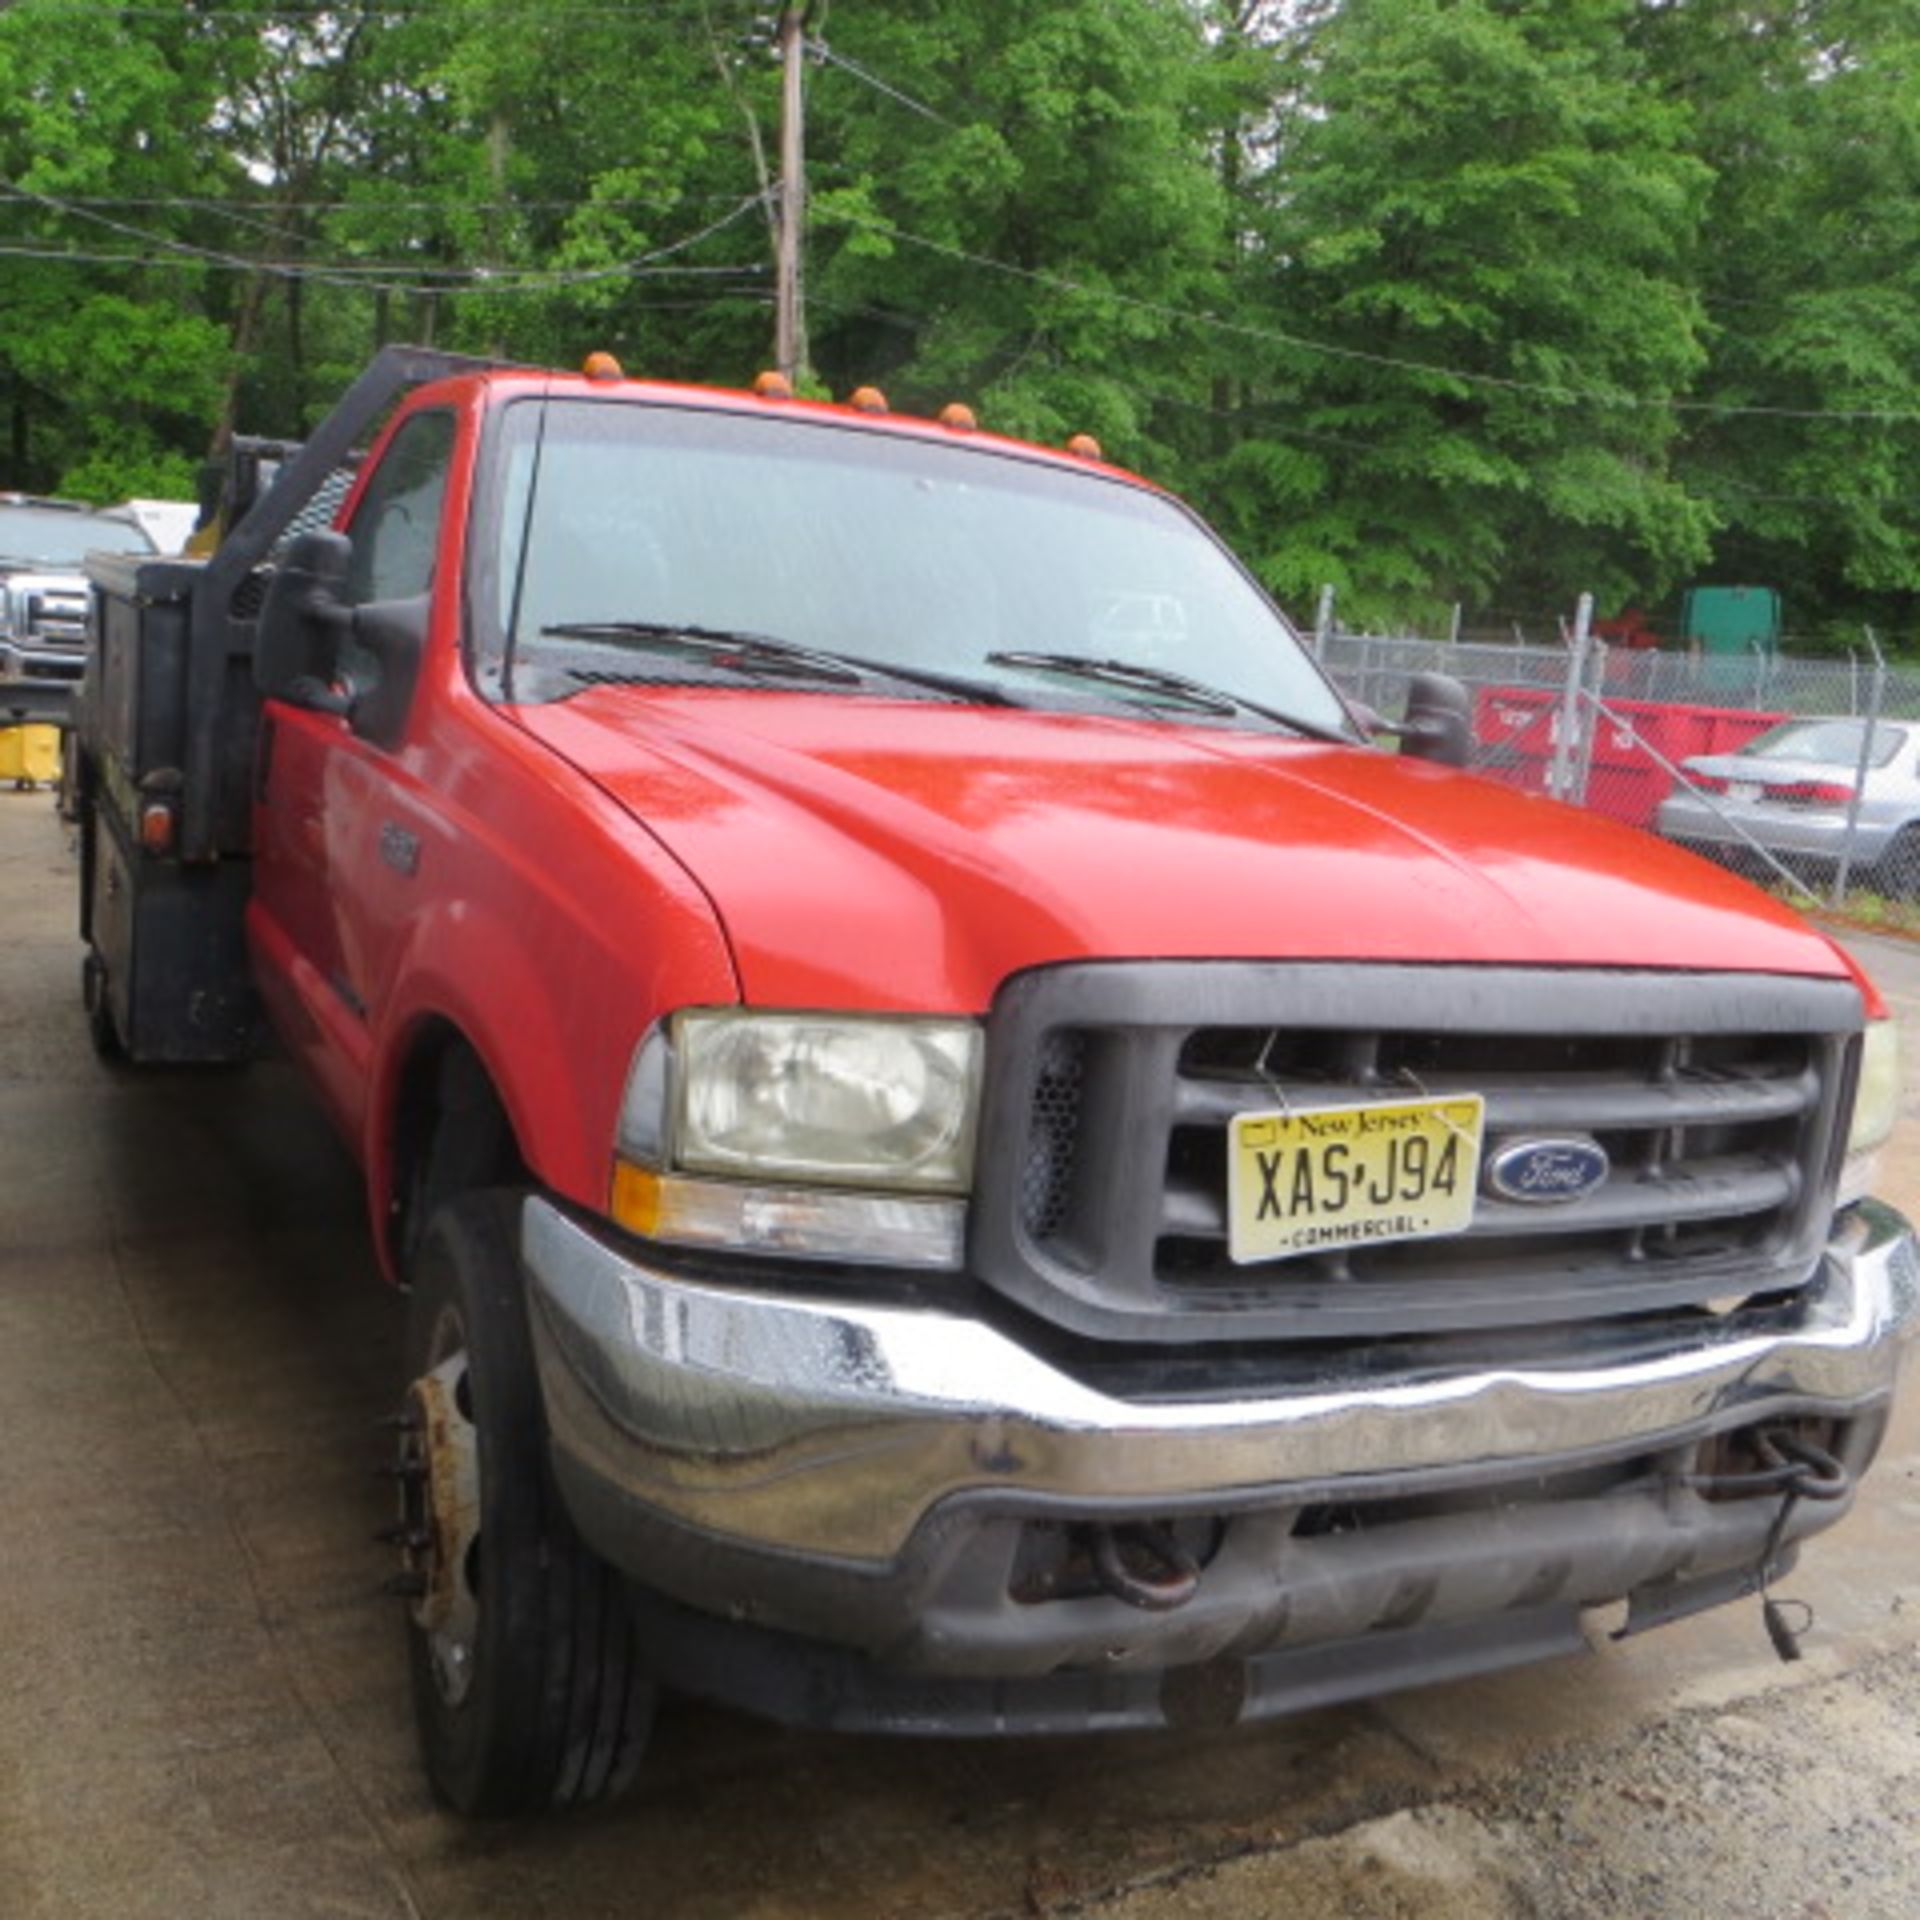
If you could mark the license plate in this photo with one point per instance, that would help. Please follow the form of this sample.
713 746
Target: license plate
1312 1179
1743 790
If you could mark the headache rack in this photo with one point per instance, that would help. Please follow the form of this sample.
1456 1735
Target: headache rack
1102 1201
167 712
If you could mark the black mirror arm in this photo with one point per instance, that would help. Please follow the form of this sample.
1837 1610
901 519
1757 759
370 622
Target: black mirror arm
309 690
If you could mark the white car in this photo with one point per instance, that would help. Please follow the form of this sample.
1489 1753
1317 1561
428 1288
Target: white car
1791 790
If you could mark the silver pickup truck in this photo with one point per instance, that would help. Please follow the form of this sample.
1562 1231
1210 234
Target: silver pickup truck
43 595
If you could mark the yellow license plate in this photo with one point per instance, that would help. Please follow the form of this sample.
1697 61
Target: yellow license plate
1314 1179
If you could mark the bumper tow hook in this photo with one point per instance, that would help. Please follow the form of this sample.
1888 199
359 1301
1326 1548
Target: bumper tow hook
1796 1470
1812 1474
1144 1565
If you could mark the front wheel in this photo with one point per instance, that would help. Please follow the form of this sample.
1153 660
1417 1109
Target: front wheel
1898 870
101 1031
529 1686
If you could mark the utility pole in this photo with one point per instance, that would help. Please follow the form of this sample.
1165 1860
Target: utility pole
497 188
790 324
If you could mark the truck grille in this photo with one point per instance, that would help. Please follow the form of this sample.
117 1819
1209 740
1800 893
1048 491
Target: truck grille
1103 1201
55 619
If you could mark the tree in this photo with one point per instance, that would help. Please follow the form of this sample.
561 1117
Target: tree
1025 226
1810 273
1475 300
106 367
1474 289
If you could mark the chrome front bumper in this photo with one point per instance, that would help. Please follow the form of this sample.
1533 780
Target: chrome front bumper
22 661
822 1429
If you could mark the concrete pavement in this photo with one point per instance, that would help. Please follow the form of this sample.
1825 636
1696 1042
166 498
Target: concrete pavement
202 1692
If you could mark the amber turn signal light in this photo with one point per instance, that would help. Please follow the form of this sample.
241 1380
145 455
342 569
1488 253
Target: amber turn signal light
772 386
602 366
867 400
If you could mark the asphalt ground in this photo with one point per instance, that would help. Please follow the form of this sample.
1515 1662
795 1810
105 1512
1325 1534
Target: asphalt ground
203 1695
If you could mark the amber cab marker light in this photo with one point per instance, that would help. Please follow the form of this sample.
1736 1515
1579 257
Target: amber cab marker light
958 416
1086 446
156 827
600 365
867 400
772 386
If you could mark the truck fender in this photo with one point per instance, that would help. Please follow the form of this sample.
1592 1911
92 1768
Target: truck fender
517 1031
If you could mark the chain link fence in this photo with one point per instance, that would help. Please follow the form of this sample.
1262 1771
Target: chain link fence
1802 774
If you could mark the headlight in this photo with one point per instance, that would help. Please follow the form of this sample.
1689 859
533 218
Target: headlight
1876 1105
843 1137
827 1099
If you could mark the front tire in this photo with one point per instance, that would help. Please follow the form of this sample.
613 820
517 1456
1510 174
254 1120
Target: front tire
101 1031
529 1686
1898 872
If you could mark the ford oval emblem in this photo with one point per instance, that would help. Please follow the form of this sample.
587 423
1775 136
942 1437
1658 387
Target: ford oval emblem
1548 1172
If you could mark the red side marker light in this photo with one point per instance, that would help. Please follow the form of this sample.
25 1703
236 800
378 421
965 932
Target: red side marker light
156 826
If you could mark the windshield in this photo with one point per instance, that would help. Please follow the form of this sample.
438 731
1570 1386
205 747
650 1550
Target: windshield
872 546
1828 743
56 537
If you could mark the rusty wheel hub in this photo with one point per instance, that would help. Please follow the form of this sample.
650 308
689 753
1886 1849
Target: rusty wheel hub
439 1531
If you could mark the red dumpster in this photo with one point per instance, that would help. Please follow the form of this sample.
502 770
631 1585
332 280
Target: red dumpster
1516 729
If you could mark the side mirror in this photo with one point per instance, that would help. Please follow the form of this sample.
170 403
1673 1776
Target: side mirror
391 635
1439 722
296 642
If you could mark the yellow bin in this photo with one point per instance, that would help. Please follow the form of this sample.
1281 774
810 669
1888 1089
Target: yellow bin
30 755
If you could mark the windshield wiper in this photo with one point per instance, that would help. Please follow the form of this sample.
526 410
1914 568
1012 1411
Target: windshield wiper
751 652
1128 673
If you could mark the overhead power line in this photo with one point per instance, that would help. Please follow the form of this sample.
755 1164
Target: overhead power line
254 203
377 276
821 50
268 14
463 280
1250 330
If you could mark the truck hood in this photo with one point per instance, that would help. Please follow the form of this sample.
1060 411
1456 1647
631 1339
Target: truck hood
900 854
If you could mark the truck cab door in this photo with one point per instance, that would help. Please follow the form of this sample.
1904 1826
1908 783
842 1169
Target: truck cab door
338 819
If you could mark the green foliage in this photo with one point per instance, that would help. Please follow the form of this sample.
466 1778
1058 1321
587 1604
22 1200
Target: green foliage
1489 301
1488 216
1814 112
102 369
130 468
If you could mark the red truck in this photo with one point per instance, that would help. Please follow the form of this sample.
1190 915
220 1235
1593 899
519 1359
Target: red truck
969 1155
